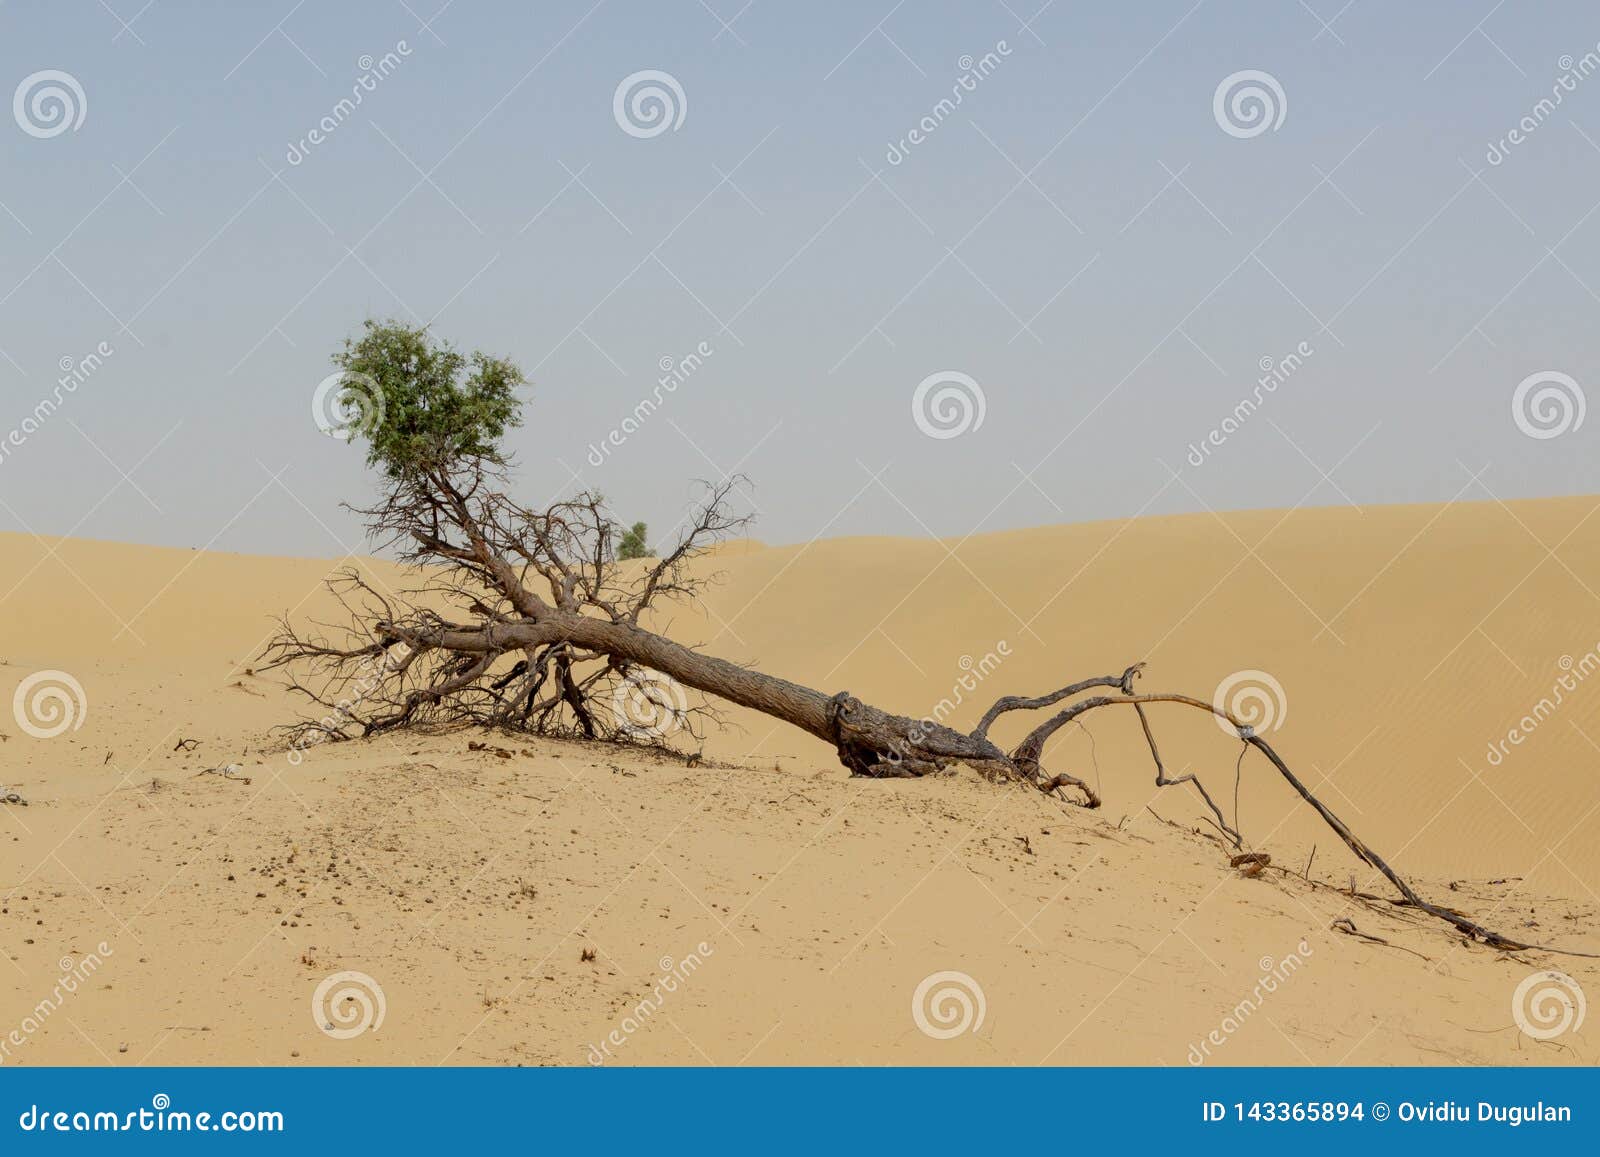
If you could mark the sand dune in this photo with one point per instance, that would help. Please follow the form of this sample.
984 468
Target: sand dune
1409 644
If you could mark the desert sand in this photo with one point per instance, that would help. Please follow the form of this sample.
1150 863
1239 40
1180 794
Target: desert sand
797 910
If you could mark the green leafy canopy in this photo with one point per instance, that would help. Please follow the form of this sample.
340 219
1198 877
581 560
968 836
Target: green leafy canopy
635 542
434 405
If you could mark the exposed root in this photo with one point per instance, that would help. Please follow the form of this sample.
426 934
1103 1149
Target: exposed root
1348 927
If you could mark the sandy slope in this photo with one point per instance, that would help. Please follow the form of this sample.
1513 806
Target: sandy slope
1406 639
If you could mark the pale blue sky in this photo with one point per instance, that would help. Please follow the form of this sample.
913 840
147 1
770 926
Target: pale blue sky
1081 238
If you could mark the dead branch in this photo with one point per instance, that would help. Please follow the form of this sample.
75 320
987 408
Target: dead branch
1348 927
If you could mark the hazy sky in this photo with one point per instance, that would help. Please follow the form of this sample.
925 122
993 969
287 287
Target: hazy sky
1105 251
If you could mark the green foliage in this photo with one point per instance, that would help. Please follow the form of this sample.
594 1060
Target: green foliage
634 543
433 404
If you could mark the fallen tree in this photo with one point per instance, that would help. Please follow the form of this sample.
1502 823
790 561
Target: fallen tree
525 619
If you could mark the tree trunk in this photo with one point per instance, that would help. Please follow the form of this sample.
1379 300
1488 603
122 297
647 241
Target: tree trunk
870 741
